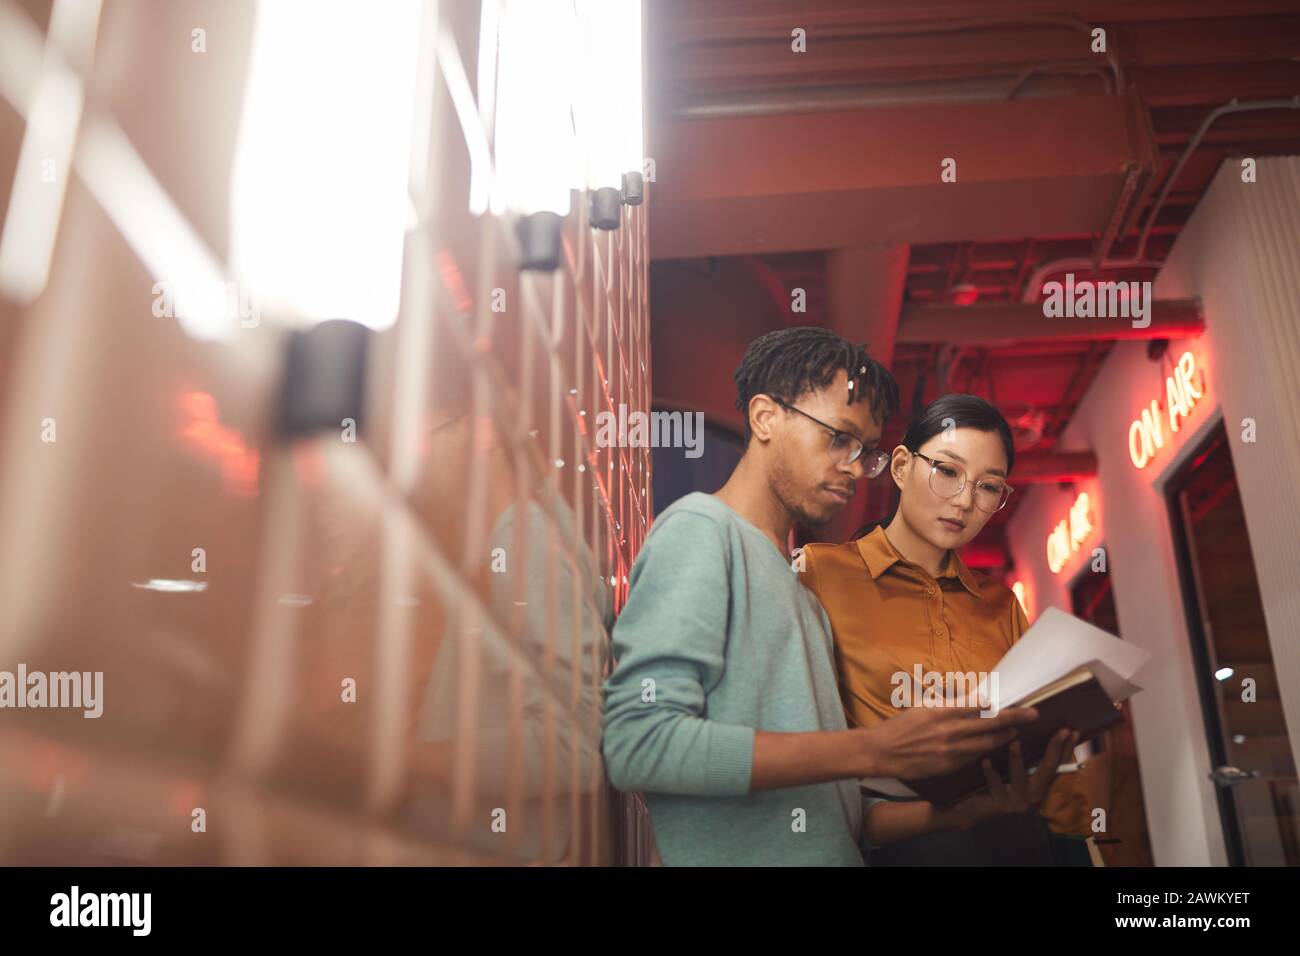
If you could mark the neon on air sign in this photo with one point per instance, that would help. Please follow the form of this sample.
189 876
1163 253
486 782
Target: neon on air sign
1066 537
1146 436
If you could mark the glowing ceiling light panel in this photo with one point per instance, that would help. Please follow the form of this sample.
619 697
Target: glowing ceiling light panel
319 194
609 120
538 160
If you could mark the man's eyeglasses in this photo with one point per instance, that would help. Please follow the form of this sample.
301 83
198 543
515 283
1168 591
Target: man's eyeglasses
845 449
948 479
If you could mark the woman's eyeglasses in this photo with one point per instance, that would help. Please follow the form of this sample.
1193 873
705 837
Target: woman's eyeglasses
845 449
947 480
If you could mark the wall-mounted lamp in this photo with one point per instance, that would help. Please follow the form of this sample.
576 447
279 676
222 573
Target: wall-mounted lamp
541 241
606 207
633 189
324 380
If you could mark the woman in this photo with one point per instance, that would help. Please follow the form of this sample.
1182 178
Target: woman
899 596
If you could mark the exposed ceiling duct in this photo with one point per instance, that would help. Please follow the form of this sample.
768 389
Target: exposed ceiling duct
794 161
1058 80
929 173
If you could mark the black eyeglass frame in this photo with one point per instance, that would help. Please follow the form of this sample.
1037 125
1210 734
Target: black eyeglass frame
883 456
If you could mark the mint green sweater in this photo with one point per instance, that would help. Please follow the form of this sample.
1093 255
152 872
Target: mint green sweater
719 639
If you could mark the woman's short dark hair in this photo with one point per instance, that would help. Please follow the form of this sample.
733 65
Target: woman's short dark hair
959 411
789 363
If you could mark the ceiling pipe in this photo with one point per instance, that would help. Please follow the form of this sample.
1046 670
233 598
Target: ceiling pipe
1062 69
916 29
1233 107
984 89
1035 282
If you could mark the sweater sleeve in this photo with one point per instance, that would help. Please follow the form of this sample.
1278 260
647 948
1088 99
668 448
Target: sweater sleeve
670 646
868 801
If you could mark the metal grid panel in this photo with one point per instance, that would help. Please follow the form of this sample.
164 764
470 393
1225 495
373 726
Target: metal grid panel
460 564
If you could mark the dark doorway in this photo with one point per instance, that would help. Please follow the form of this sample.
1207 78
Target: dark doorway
1111 770
1254 770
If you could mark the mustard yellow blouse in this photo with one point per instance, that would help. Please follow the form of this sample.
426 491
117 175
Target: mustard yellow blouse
889 615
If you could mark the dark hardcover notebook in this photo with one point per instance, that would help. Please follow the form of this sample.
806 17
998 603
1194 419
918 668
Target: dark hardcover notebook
1077 701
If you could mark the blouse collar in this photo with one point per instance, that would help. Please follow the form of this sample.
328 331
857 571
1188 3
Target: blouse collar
879 555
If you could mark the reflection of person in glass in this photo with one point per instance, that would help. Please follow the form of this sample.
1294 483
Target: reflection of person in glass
512 696
900 596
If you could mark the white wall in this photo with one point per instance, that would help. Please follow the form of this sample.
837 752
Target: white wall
1240 253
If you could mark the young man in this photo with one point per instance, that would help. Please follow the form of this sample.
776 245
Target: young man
723 707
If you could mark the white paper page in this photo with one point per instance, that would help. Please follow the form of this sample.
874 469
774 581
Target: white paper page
1059 643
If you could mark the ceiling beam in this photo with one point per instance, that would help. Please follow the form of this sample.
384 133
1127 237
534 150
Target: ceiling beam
848 178
1053 467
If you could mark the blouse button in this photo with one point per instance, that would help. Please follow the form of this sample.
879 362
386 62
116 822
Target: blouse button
929 592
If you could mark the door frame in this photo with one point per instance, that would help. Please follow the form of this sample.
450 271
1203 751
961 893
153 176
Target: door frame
1193 613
